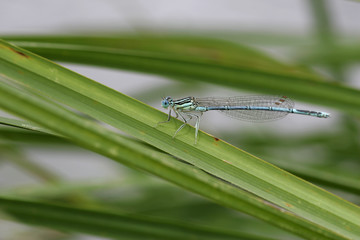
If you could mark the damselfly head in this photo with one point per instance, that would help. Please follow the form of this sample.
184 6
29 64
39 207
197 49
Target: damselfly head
166 102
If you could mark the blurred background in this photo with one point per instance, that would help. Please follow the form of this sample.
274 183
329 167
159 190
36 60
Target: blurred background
324 151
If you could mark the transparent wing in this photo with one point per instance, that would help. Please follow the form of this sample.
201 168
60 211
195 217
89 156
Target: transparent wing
253 101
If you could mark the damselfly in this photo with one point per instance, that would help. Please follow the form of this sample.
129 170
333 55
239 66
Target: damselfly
248 108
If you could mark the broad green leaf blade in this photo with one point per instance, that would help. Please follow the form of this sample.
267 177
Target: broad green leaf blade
211 154
108 224
199 59
105 142
348 184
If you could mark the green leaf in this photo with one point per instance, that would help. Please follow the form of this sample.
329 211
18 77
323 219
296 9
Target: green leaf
318 176
108 224
198 59
109 144
336 54
310 211
23 125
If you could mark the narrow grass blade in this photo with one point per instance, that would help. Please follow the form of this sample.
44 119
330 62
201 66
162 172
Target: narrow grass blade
108 224
23 125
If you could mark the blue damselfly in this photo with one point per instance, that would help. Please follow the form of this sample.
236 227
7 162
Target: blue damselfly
248 108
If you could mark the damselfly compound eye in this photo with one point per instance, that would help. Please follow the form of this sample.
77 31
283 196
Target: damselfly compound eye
165 103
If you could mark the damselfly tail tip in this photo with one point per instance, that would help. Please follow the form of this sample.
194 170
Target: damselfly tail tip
323 115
